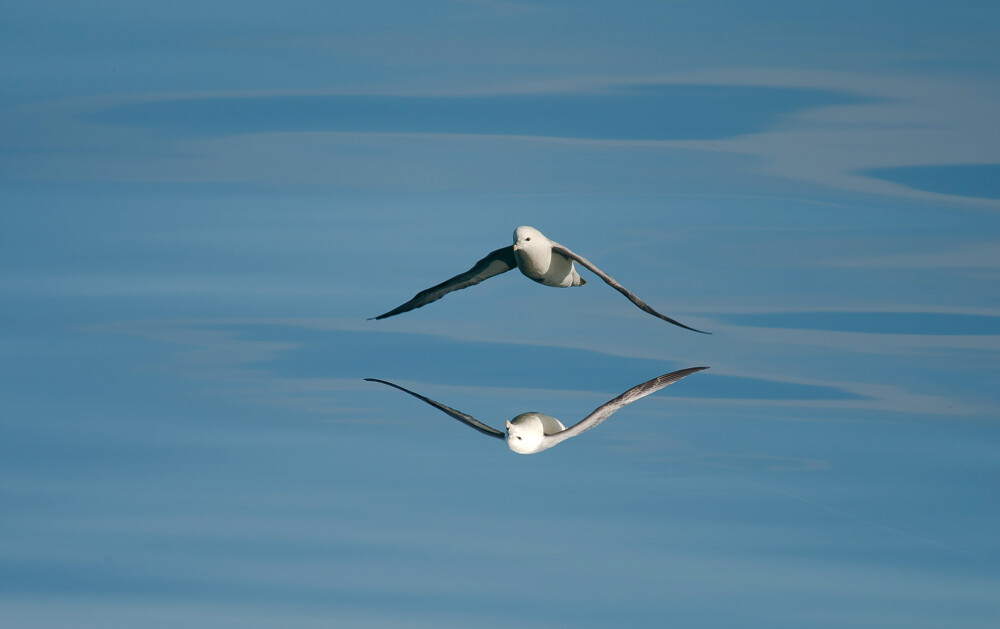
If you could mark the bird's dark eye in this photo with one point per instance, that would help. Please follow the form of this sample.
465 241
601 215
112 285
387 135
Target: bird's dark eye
527 239
518 438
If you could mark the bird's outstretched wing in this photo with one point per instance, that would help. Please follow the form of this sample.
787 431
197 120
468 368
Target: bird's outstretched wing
604 411
497 262
468 420
613 283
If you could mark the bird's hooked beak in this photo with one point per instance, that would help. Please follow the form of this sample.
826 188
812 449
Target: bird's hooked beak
516 247
508 424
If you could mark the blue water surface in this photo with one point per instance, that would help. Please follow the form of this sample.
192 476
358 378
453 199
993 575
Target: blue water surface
202 205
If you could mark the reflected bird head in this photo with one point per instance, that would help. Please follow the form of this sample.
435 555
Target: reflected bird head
525 433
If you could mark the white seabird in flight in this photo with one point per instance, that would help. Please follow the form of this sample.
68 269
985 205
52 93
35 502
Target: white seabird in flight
542 260
529 433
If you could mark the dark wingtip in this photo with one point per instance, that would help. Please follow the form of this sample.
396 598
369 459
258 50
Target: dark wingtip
391 313
686 327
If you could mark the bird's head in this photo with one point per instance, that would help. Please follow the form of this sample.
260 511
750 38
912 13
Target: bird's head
529 239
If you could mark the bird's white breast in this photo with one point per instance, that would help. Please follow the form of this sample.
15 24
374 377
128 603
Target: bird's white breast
537 261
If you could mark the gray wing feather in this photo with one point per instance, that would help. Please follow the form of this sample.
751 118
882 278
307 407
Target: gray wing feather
613 283
468 420
497 262
605 410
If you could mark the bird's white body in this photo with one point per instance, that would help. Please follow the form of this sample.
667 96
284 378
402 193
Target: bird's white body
526 432
537 261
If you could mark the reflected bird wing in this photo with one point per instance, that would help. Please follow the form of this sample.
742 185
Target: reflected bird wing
605 410
468 420
497 262
610 281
